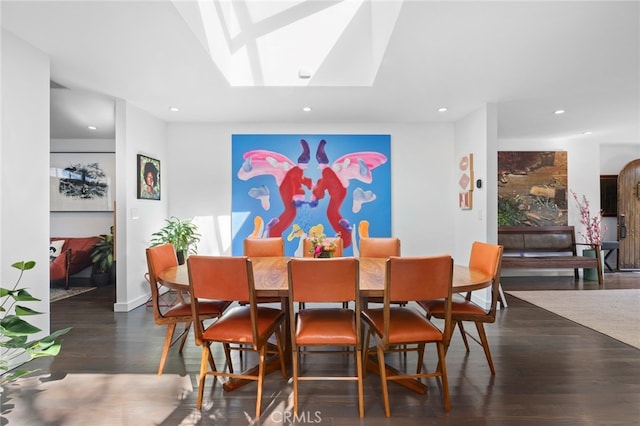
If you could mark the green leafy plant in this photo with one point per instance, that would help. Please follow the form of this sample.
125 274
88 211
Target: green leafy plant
182 233
102 254
15 331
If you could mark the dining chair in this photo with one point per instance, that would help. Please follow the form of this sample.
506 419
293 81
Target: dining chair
379 247
231 278
264 247
307 246
403 329
321 283
160 258
486 258
338 252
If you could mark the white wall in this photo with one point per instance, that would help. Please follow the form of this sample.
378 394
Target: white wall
136 133
24 170
476 134
199 170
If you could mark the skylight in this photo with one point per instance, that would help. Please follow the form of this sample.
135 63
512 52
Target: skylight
267 43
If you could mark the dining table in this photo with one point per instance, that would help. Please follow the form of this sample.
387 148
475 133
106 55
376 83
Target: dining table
271 280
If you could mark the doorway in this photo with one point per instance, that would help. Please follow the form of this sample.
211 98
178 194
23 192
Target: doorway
629 216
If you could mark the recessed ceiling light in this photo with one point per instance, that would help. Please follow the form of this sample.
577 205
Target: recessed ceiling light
174 109
442 109
588 132
558 111
304 73
92 128
306 109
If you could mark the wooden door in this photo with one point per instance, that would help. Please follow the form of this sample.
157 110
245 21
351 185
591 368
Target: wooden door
629 216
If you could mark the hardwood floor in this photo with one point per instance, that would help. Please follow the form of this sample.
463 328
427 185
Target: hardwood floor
550 371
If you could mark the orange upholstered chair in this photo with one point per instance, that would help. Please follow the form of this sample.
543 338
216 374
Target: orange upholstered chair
379 247
160 258
264 247
487 258
402 329
322 282
231 278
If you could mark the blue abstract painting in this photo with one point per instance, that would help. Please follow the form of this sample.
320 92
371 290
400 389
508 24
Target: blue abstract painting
287 185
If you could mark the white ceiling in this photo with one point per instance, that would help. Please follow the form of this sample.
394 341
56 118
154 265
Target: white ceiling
529 58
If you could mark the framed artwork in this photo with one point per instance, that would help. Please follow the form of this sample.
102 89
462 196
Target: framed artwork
296 185
81 181
148 178
465 190
532 188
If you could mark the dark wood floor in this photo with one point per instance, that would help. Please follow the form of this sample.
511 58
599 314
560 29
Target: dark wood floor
550 371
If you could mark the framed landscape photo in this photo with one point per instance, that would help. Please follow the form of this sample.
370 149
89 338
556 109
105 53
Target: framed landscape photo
148 178
81 181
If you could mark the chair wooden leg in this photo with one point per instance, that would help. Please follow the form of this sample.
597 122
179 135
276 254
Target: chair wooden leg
442 366
420 357
206 358
383 381
294 367
365 351
360 372
485 346
165 349
185 334
464 334
227 355
280 345
261 367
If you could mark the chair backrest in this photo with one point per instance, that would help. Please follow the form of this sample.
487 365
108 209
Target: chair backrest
307 252
323 280
221 278
488 259
264 247
159 258
326 280
418 278
379 247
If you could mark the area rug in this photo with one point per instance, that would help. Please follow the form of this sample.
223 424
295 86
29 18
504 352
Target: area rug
585 307
56 294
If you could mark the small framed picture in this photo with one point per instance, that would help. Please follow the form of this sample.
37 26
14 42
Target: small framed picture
148 178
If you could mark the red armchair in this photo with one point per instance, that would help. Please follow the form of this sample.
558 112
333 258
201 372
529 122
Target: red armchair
74 257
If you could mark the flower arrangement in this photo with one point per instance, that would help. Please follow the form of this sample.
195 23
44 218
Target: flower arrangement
594 229
319 242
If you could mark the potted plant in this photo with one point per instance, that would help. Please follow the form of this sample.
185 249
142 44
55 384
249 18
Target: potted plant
103 261
594 229
15 331
182 233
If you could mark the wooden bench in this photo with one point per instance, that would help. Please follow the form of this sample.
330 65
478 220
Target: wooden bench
545 247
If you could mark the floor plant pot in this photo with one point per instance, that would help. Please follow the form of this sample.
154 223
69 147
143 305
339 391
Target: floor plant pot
101 279
590 274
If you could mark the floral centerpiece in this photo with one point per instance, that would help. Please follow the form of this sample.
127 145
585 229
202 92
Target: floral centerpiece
320 245
594 228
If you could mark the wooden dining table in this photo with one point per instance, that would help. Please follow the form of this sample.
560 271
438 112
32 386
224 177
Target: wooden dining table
271 280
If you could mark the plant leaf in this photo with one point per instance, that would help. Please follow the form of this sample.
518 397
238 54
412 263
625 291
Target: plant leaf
24 266
14 326
24 311
23 295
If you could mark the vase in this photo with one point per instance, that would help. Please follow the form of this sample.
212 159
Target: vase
324 254
590 274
